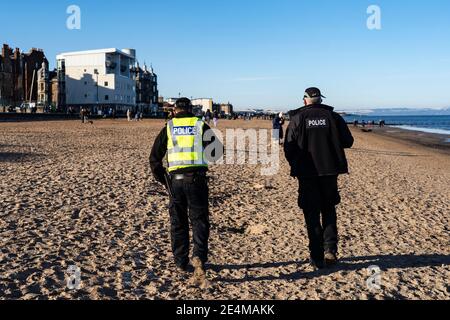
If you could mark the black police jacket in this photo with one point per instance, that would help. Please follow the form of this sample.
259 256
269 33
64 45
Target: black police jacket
315 141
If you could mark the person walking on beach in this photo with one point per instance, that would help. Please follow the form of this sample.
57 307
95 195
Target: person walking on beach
315 141
277 125
83 114
208 116
215 119
182 140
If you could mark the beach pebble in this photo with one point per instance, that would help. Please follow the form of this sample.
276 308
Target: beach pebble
75 214
151 290
256 229
258 186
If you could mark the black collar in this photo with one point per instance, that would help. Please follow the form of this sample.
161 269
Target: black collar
184 114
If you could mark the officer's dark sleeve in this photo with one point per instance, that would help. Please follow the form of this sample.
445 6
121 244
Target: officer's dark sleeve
291 143
157 154
345 136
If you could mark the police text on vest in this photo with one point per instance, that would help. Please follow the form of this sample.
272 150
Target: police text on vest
317 123
185 131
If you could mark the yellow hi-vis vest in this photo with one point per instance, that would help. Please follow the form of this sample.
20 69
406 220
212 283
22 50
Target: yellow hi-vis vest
185 144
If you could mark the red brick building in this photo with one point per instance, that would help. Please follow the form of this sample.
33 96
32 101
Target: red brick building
19 75
6 78
32 62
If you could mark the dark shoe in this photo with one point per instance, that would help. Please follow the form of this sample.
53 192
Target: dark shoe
185 268
330 258
317 265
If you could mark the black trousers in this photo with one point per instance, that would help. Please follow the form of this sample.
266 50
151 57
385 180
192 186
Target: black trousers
318 197
189 202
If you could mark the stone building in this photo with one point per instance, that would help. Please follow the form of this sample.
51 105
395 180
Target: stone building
18 78
56 97
225 108
43 86
146 89
31 63
49 95
19 75
6 78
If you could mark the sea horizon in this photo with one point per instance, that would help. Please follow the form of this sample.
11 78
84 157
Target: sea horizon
438 124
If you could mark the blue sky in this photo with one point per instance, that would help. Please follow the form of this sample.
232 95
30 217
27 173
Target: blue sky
260 53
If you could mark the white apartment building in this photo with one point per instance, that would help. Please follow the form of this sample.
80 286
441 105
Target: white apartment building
99 79
171 101
205 103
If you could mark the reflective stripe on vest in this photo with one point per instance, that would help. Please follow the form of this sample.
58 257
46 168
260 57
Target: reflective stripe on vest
185 143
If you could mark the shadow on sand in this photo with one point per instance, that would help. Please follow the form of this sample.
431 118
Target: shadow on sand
346 264
386 153
18 156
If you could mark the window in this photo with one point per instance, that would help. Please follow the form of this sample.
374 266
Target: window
85 95
95 71
106 97
106 83
85 83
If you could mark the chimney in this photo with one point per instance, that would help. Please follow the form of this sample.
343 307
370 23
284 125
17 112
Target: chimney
5 50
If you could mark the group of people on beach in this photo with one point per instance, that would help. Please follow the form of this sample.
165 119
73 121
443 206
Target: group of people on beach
372 123
134 116
208 115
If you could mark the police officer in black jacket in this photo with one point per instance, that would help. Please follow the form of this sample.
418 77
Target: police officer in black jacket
187 166
314 147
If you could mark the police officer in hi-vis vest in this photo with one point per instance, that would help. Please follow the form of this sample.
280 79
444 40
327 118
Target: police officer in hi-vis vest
183 141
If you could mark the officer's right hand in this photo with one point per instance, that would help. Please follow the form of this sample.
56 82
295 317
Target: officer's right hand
160 179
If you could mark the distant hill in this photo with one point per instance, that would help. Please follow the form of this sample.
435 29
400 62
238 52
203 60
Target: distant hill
401 112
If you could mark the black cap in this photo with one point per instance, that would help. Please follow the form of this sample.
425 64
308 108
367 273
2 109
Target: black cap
313 93
183 103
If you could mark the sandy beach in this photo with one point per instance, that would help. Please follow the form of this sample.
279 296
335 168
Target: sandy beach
73 194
